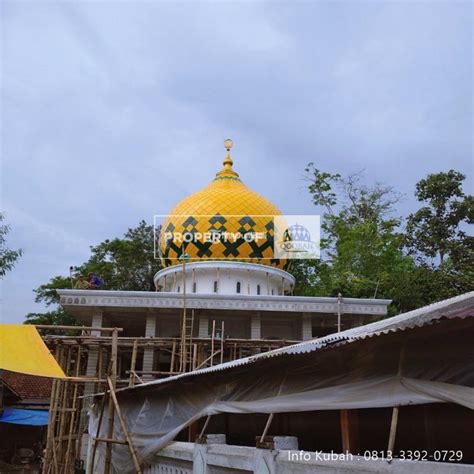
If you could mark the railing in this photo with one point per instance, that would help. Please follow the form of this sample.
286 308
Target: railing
190 458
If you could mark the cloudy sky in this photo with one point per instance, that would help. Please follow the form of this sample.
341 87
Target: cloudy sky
113 111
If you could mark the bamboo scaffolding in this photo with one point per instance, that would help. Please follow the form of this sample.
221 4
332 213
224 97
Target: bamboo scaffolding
68 400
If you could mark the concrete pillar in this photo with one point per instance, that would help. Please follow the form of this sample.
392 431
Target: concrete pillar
149 352
94 350
200 455
203 326
306 327
255 327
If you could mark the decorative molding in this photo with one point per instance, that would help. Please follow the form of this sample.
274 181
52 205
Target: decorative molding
135 299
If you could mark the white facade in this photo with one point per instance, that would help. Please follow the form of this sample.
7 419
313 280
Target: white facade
225 278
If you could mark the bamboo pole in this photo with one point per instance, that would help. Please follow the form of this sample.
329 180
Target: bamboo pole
55 417
222 342
212 341
64 400
267 427
173 356
208 359
110 427
52 414
393 429
73 416
395 410
183 352
96 438
133 363
201 434
136 376
195 355
77 328
131 447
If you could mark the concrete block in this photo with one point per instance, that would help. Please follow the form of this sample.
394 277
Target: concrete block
216 439
285 442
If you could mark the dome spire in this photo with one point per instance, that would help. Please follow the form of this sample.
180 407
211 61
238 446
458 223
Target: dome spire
227 170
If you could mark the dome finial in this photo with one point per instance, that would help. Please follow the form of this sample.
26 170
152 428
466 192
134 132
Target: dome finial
228 144
227 170
228 160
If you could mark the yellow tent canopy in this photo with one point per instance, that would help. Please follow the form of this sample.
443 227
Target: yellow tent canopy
22 350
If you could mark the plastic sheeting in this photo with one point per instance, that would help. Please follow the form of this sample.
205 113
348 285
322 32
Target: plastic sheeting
19 416
22 350
423 365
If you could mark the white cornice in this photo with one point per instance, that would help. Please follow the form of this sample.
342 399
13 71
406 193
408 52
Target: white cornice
145 299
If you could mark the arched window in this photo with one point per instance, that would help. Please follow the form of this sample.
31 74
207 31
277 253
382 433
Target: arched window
237 287
215 287
273 292
179 289
194 287
258 289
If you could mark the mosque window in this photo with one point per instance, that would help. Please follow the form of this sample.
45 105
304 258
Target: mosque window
258 289
237 289
194 287
215 287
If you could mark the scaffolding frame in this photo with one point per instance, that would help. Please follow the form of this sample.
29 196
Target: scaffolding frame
70 402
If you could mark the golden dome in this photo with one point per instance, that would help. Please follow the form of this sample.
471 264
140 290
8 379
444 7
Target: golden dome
226 205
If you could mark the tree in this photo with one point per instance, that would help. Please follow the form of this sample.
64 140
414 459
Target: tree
8 257
365 252
123 264
435 231
361 246
47 293
57 317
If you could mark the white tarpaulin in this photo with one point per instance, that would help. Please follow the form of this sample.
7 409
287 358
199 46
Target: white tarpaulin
434 363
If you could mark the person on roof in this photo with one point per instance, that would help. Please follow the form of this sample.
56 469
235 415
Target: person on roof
94 282
82 283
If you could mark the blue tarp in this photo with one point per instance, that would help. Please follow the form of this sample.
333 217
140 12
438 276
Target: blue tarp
20 416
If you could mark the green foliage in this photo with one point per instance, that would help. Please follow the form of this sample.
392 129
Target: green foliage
47 293
436 233
435 230
364 250
8 257
58 317
320 186
125 264
312 278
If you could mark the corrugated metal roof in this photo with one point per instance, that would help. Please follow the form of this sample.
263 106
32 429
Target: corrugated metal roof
458 307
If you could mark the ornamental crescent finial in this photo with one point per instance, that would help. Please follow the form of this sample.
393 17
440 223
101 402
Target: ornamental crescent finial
227 170
228 144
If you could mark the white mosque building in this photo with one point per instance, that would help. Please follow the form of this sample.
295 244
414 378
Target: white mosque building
235 282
